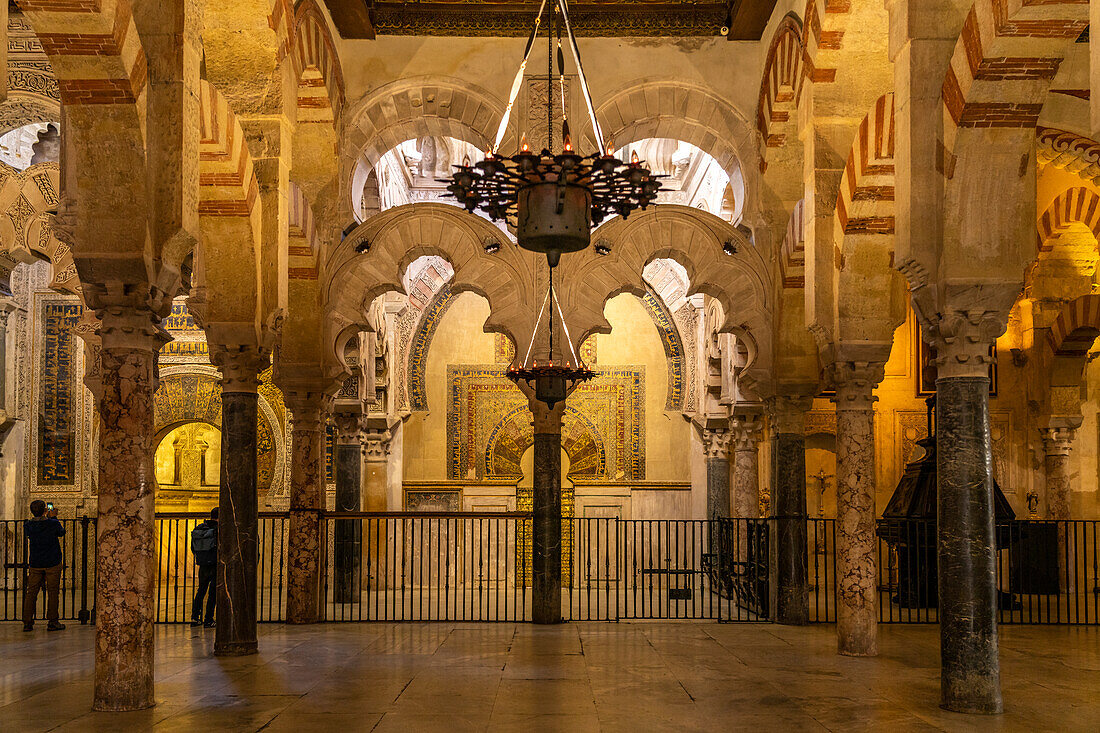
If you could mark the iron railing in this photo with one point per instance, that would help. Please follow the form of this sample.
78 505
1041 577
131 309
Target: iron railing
423 566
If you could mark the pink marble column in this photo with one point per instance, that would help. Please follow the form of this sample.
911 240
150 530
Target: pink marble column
125 566
1057 442
307 490
857 579
745 486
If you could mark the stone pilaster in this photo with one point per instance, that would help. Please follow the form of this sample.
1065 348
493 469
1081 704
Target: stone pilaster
970 671
546 515
787 416
716 448
307 491
376 456
347 533
125 600
857 580
1057 442
238 531
7 305
746 431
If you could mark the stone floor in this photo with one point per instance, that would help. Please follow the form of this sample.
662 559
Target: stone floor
575 677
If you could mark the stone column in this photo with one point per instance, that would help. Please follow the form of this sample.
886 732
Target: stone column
966 555
745 492
716 447
546 515
126 568
376 454
238 541
347 532
6 308
307 492
857 579
788 415
1057 442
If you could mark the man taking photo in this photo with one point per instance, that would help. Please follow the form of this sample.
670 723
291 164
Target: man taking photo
43 530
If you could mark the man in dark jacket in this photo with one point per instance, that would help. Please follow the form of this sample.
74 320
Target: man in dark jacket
204 546
44 564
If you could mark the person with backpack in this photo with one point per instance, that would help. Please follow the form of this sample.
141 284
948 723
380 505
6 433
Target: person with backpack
44 566
204 546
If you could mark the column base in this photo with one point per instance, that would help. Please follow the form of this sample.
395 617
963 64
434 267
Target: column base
236 649
100 706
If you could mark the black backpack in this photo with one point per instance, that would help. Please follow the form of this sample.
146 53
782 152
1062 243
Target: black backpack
204 540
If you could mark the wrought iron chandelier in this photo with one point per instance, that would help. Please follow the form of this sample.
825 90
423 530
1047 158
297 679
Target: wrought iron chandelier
553 200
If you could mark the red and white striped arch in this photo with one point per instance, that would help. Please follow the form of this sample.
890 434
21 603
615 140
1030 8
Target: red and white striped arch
317 65
1076 205
865 203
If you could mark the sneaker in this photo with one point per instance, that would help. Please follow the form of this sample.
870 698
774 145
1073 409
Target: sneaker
196 623
208 625
28 627
55 626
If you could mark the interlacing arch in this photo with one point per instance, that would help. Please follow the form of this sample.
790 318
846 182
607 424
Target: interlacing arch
1069 151
1076 205
28 202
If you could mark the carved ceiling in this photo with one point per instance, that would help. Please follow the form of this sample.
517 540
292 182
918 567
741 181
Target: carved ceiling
736 19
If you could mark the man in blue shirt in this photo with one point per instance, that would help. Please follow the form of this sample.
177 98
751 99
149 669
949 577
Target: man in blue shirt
43 530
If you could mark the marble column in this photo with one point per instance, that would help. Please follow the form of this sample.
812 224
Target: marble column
126 568
856 542
966 548
307 492
788 415
716 448
347 533
238 530
1057 442
746 431
546 515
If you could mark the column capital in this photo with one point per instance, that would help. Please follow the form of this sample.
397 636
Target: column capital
544 419
347 427
1057 441
307 409
746 431
240 366
854 382
376 443
964 340
787 413
716 442
130 328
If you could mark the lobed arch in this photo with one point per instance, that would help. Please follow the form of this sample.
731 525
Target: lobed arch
393 239
700 242
679 110
28 203
513 435
1074 153
411 108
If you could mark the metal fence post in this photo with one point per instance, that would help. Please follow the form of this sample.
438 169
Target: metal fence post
84 614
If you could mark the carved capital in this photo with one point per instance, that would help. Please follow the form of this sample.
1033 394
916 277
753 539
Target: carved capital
347 427
854 382
1058 441
787 413
307 410
746 431
240 366
716 442
546 420
964 341
376 444
129 328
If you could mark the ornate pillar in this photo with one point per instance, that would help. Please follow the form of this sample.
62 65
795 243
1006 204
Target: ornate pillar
376 456
857 580
746 431
546 515
307 492
125 601
6 307
970 668
238 542
788 416
1057 442
716 447
346 533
